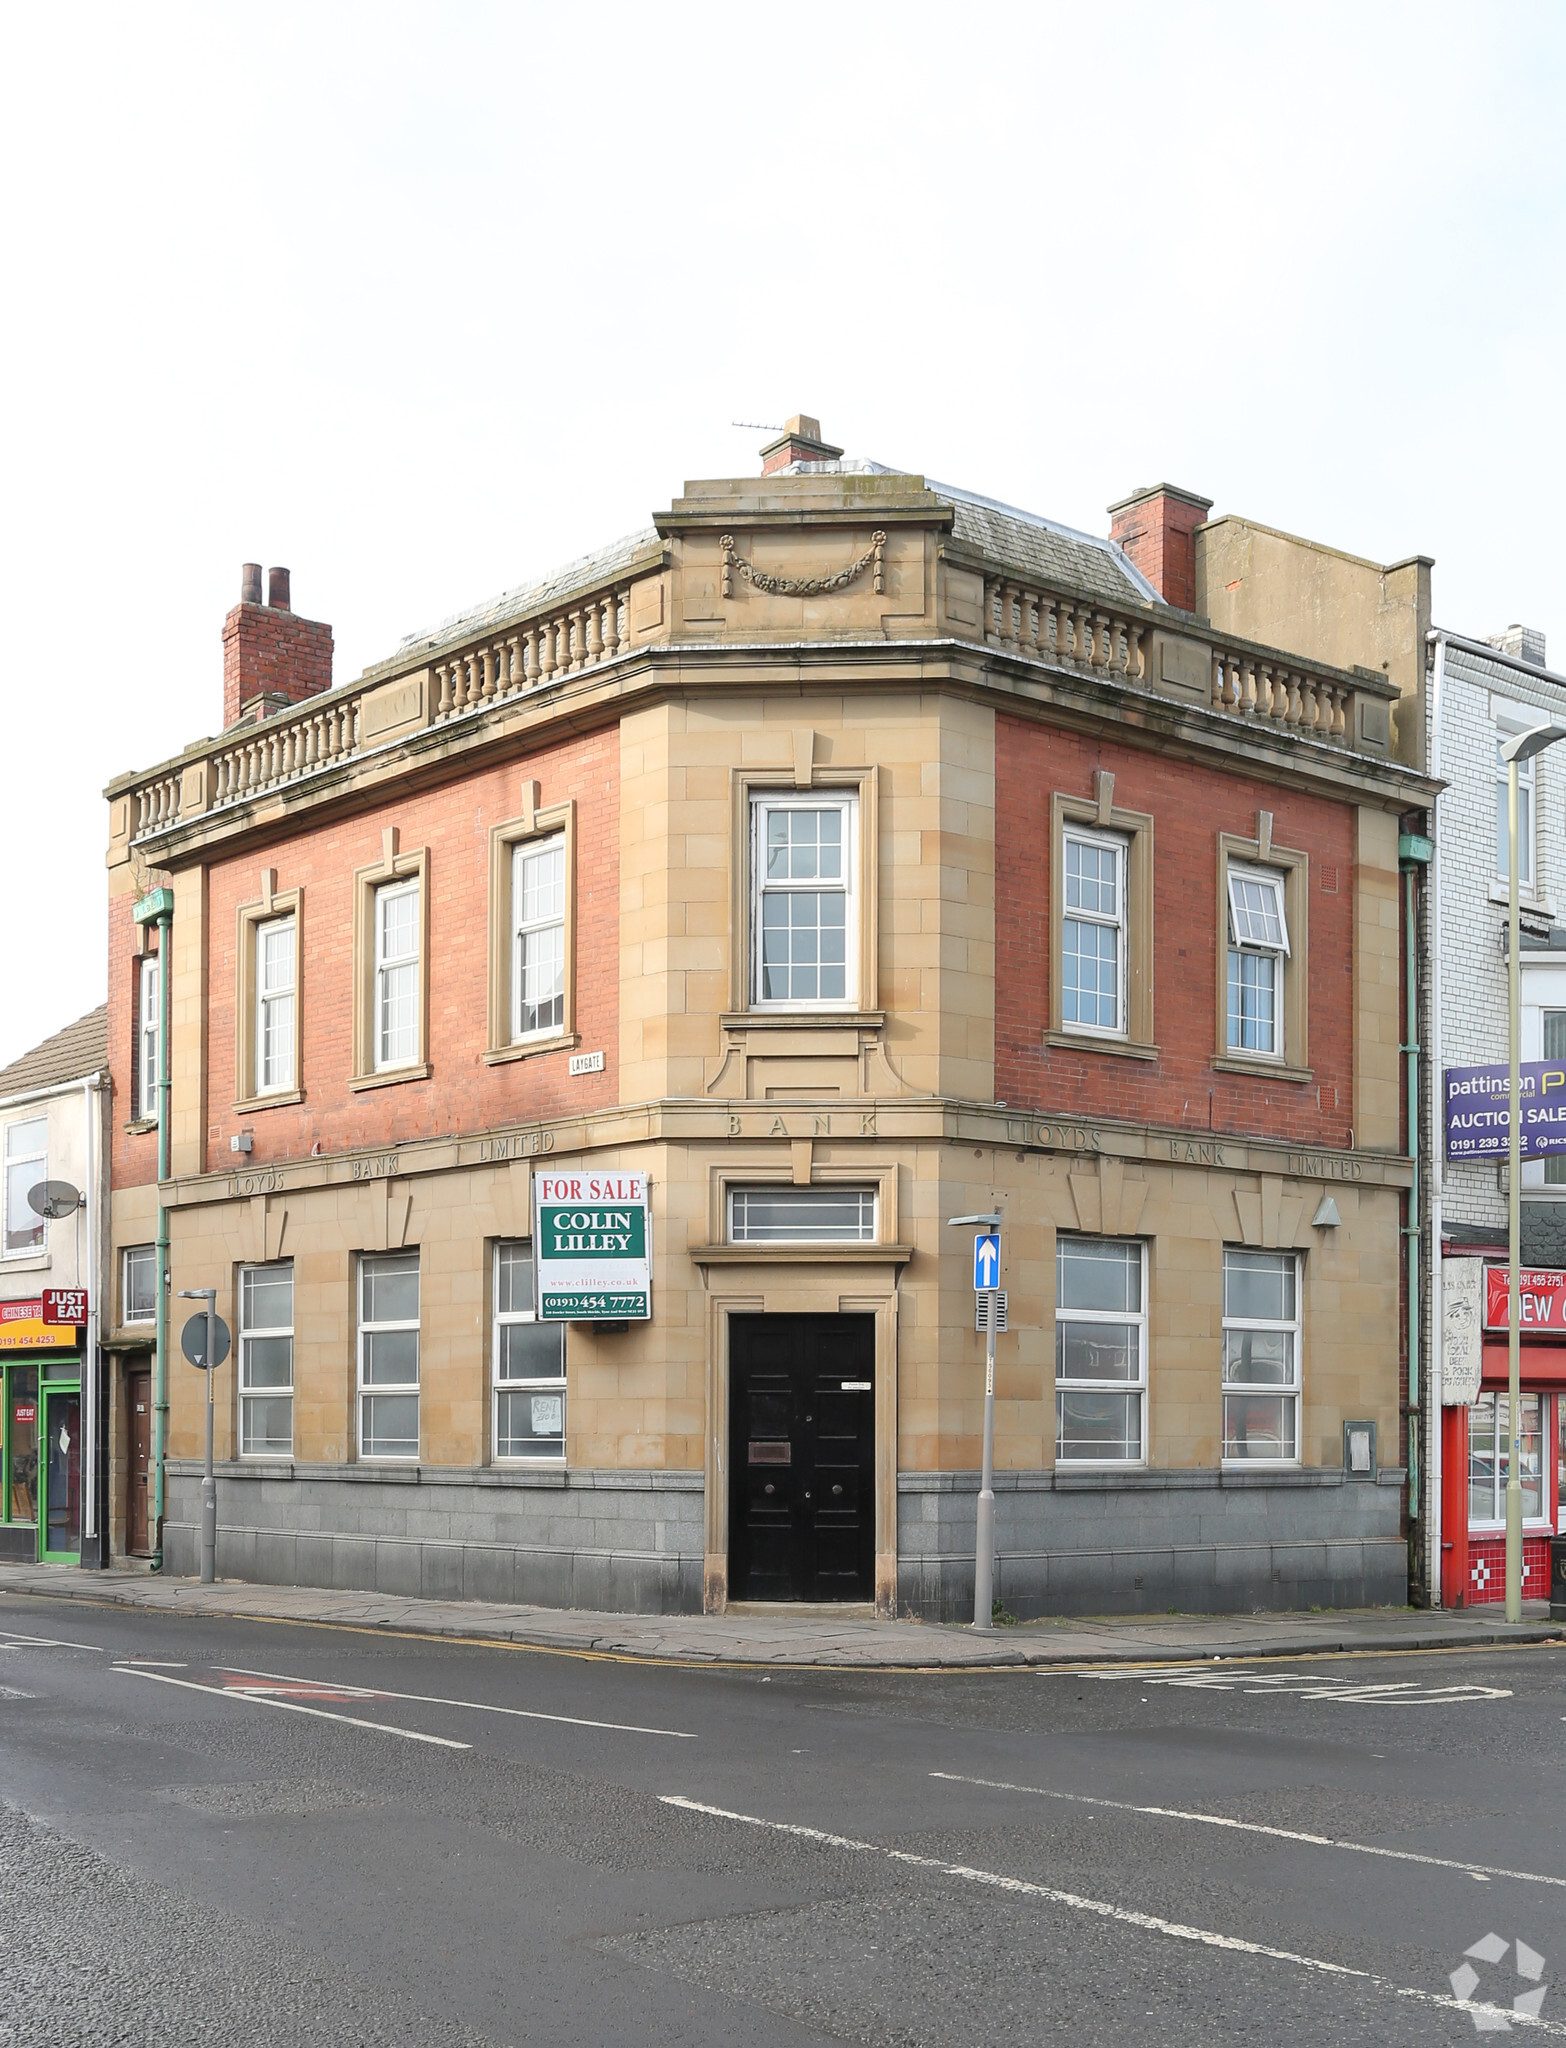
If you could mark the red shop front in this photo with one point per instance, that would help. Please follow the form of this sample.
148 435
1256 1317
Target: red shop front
1474 1448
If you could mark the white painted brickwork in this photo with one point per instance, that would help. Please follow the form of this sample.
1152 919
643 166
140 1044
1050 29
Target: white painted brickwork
1473 895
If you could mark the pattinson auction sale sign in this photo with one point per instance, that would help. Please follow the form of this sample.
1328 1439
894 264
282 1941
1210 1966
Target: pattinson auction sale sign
592 1243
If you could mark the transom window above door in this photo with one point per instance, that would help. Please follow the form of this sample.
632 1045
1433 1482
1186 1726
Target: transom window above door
791 1215
804 900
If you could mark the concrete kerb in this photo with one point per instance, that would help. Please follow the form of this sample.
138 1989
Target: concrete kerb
799 1642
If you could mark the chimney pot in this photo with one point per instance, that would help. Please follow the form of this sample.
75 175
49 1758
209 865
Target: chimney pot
277 590
250 583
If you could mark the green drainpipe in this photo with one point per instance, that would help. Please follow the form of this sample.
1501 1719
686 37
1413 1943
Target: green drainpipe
1413 851
157 908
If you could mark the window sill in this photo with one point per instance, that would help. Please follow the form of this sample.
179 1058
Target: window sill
1087 1041
1232 1467
816 1254
391 1077
532 1048
140 1125
285 1098
511 1466
1261 1068
1528 904
821 1018
25 1262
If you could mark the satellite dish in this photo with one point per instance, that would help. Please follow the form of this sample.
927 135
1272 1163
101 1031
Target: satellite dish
54 1199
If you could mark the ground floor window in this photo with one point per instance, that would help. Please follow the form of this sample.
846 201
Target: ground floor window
1489 1447
1100 1350
529 1364
19 1444
389 1355
266 1360
1261 1356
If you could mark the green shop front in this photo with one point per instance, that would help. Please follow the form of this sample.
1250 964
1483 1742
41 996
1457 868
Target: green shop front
40 1436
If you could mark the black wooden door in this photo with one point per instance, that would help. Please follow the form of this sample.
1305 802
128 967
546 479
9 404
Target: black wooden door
801 1457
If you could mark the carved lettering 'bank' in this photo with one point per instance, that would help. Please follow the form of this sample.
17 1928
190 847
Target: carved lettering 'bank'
841 854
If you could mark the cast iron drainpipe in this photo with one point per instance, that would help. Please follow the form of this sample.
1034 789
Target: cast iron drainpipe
160 1402
1411 1228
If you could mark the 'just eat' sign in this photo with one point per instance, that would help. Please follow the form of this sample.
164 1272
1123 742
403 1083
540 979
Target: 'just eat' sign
591 1244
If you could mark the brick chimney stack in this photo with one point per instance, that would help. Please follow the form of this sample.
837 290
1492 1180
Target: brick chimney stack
800 442
1157 528
271 659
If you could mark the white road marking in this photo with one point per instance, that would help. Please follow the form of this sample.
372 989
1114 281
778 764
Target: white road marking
263 1699
9 1637
1404 1693
153 1663
13 1692
1125 1916
476 1706
1483 1871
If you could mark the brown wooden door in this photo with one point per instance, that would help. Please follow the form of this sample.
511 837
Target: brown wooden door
138 1402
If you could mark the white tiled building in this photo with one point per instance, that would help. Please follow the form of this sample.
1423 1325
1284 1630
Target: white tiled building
1482 692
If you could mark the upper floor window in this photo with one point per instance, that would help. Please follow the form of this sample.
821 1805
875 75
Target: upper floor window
1258 949
275 1009
1093 933
148 1018
396 975
26 1164
804 915
538 910
1525 794
139 1284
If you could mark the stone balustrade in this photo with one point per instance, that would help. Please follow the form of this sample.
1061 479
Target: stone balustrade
157 805
1097 638
581 634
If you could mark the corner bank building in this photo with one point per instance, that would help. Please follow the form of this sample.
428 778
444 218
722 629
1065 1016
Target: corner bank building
843 853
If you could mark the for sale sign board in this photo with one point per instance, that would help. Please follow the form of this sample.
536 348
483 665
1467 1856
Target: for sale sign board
592 1247
1477 1110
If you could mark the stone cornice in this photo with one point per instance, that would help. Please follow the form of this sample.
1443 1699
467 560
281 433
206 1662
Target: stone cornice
905 1120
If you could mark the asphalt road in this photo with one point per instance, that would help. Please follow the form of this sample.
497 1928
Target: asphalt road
268 1833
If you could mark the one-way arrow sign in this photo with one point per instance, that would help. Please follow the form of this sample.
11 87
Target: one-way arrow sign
986 1261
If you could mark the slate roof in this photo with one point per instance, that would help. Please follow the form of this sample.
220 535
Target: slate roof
1040 547
80 1049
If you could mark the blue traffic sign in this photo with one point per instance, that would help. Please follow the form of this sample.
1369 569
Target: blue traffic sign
986 1261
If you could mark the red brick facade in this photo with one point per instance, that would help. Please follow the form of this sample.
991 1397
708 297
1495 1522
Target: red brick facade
1189 806
462 1092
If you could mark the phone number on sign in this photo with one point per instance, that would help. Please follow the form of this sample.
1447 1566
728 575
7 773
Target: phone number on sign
610 1308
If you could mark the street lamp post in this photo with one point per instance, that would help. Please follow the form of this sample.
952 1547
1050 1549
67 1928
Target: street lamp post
1522 747
209 1479
984 1525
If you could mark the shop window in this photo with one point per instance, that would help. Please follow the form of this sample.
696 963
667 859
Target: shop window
529 1356
26 1164
149 1016
1258 956
1100 1351
1489 1457
19 1496
1261 1356
389 1355
266 1361
139 1284
787 1215
804 915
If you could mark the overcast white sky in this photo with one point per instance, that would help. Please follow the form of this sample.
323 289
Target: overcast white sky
423 300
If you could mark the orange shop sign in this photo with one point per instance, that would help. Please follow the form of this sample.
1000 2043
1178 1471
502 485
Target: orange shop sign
22 1328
